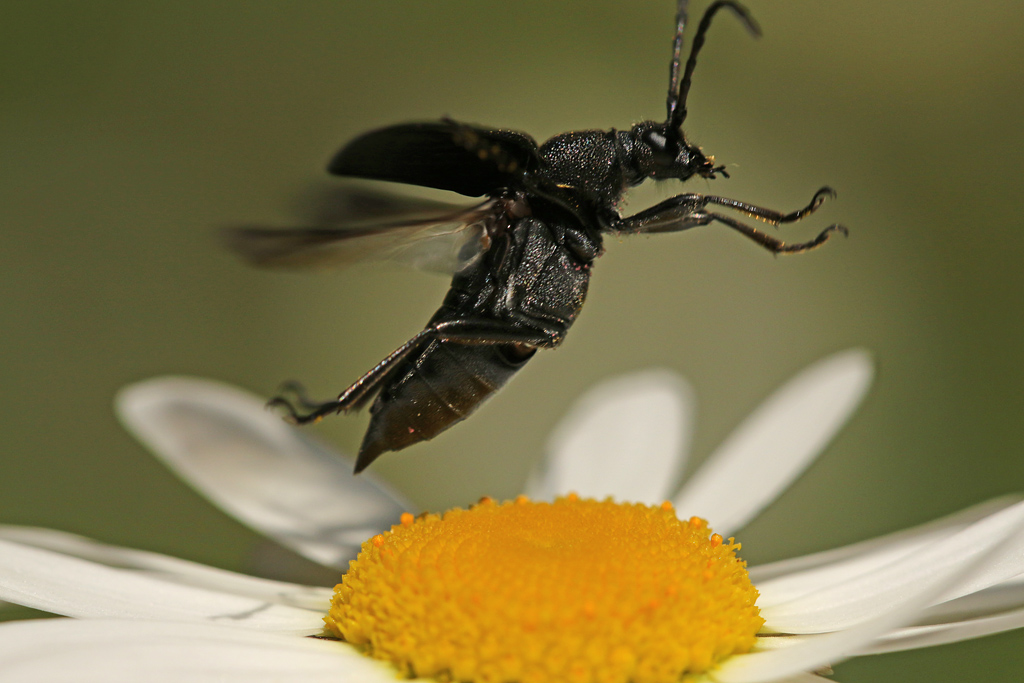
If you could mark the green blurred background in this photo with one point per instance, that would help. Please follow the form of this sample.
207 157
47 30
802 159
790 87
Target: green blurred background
129 130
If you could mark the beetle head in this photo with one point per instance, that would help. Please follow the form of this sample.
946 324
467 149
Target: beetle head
665 153
672 156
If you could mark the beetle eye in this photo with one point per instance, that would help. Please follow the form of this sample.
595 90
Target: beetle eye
655 140
662 148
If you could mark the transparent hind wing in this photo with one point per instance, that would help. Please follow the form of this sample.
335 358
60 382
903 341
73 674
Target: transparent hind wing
439 243
355 202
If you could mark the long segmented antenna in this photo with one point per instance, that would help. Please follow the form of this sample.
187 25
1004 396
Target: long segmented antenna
677 53
677 110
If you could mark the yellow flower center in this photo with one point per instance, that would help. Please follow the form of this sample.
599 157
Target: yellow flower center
576 590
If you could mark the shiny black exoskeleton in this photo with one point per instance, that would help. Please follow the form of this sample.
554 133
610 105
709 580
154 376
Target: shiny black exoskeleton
522 270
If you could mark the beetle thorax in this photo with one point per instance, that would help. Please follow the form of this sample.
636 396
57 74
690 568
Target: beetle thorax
588 163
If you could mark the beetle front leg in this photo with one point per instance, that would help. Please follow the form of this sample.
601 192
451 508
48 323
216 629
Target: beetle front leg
687 211
771 216
772 244
666 216
677 223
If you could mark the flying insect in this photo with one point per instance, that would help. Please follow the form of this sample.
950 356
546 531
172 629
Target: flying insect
521 257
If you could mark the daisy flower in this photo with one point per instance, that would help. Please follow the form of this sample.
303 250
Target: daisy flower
619 581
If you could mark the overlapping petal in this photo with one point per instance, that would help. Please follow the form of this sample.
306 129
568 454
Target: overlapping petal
626 437
104 651
850 600
792 577
54 582
912 590
914 637
247 461
779 440
170 569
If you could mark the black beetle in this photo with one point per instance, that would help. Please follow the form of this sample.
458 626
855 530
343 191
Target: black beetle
521 258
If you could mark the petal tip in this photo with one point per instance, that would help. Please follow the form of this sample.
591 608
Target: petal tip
133 403
856 363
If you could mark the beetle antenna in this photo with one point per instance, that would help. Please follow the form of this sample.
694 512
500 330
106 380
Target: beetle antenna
677 109
677 53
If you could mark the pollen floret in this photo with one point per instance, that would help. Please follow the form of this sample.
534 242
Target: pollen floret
576 590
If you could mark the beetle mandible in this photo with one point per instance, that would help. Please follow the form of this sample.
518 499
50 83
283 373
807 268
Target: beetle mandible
521 258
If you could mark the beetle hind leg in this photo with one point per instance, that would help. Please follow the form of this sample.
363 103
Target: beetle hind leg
353 398
298 391
301 401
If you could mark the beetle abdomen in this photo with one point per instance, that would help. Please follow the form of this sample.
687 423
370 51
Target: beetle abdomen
436 388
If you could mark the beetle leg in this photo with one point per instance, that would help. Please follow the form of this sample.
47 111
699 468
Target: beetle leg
666 216
771 216
298 390
354 396
662 217
462 331
772 244
488 331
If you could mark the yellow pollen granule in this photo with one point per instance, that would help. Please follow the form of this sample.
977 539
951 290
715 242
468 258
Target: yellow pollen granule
576 590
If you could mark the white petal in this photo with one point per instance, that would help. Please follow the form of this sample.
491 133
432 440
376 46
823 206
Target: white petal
993 610
266 474
1002 597
804 677
171 569
70 651
56 583
795 575
1004 563
934 579
835 567
627 438
914 637
776 443
872 593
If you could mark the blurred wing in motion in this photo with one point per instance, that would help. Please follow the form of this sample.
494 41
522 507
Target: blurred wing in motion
353 202
429 235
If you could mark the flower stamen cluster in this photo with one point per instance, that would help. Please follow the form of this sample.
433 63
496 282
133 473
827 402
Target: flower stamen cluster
575 590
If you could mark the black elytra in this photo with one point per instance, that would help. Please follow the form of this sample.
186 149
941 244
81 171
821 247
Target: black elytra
521 258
